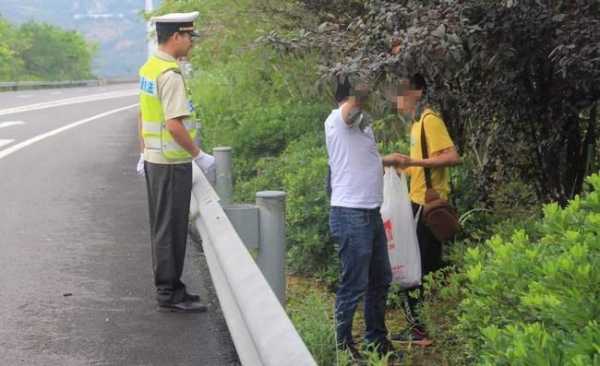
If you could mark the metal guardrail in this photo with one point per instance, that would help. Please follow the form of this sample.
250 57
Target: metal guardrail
261 226
261 331
24 85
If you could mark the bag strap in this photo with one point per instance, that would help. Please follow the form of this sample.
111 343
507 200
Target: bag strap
425 155
418 215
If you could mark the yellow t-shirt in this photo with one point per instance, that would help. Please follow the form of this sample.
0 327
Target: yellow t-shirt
437 139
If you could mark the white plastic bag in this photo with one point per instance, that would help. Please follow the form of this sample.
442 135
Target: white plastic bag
400 229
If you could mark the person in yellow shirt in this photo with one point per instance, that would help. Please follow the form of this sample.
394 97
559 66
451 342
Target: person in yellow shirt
442 154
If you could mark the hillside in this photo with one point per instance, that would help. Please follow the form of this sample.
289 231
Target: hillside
115 25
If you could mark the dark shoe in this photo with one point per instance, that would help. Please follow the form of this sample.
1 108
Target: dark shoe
413 335
386 349
191 297
183 307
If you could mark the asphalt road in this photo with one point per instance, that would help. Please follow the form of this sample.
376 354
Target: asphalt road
75 266
27 97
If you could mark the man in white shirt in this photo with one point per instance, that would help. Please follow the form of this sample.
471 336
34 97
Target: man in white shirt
355 221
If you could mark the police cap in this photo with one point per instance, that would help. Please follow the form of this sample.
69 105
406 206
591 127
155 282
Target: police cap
176 22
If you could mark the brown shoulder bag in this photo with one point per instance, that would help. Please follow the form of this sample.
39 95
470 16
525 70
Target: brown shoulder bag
438 214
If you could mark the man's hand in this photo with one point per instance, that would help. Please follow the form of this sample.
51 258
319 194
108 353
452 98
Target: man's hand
403 161
206 163
397 160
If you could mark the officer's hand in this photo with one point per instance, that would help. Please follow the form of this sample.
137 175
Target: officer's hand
206 162
140 165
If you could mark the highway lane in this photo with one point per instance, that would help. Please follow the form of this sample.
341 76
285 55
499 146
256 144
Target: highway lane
25 97
17 127
75 265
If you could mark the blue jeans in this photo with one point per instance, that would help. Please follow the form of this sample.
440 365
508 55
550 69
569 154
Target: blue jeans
365 271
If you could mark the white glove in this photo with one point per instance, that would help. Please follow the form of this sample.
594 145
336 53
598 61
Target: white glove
140 166
206 163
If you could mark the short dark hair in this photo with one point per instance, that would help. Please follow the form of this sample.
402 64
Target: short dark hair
164 35
417 82
164 31
361 92
342 91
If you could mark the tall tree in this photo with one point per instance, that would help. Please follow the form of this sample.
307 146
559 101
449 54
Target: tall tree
10 64
55 54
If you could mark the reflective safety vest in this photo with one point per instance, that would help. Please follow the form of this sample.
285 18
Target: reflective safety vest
154 130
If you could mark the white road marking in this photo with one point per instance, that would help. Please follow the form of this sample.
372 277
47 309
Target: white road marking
13 149
5 142
68 101
11 123
24 96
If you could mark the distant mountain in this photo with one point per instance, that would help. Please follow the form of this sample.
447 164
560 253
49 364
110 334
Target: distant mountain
115 25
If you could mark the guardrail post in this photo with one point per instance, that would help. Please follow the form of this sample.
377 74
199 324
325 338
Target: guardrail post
224 185
271 253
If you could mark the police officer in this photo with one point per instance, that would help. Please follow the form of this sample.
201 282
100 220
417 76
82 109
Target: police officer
169 152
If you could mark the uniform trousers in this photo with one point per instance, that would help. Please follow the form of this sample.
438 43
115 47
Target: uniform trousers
169 189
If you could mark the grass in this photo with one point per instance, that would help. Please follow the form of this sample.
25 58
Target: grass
310 306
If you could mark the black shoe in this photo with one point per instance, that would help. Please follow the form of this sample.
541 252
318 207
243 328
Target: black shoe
414 335
386 349
183 307
191 297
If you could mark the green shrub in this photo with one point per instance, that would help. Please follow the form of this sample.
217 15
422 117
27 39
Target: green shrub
250 102
311 251
266 131
527 301
300 170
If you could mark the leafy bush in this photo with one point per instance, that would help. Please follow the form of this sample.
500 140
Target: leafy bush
266 131
311 249
520 301
300 171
